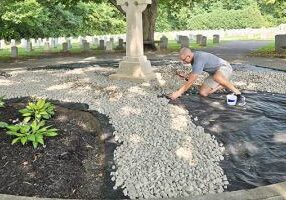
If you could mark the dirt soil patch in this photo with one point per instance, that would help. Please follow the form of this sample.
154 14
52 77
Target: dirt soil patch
73 164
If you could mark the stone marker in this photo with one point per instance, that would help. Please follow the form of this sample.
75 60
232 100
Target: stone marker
29 46
65 46
95 41
280 43
203 42
185 41
69 43
198 38
14 52
47 45
101 45
53 43
135 66
163 42
85 45
120 44
24 43
13 43
216 39
109 46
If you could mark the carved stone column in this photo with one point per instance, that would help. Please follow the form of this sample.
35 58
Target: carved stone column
134 66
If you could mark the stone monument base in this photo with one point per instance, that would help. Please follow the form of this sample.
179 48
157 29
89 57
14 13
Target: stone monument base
137 69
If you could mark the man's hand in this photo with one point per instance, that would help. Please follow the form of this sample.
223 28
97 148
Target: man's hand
174 95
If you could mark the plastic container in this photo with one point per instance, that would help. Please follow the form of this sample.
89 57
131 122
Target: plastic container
231 99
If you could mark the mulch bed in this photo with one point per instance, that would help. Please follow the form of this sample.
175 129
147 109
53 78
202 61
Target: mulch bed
75 164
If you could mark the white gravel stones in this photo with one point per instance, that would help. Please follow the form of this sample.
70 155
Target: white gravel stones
162 153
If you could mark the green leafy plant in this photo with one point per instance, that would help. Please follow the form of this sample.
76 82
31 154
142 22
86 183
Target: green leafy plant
34 132
3 124
2 103
38 111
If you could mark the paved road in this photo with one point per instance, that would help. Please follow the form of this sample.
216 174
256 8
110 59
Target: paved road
238 52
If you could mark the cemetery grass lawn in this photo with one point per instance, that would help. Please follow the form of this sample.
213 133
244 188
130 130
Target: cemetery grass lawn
5 54
268 51
71 165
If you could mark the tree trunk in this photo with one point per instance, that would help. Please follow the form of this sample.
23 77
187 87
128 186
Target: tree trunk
149 16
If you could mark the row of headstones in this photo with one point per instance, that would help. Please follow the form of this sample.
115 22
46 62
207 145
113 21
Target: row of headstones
66 46
108 46
280 43
200 40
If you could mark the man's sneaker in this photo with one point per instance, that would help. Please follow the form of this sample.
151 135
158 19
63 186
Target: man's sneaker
240 100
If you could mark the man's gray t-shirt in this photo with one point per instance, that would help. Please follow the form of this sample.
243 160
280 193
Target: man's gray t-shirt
203 61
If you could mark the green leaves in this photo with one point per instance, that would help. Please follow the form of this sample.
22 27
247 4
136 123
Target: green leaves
32 129
34 132
38 111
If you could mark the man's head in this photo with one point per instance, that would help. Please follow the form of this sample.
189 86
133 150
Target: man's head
186 55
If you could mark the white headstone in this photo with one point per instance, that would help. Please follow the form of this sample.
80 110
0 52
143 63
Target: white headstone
13 43
29 47
14 52
109 45
24 43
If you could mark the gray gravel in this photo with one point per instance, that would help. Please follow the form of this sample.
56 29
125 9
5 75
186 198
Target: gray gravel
163 154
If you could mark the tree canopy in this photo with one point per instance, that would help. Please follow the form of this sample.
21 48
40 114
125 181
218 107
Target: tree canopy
51 18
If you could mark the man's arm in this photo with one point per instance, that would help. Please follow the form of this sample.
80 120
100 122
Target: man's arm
191 79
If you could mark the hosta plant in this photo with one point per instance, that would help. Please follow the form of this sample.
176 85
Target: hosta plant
38 111
34 132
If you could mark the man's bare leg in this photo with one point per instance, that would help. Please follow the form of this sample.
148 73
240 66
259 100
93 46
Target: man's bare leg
206 90
220 78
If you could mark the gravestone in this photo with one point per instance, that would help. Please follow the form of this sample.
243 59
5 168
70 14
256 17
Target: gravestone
135 66
163 42
95 41
198 38
2 44
69 43
47 45
24 43
216 39
120 44
280 43
101 45
111 40
56 42
53 43
85 45
65 46
203 41
13 43
185 41
14 52
33 42
29 46
109 46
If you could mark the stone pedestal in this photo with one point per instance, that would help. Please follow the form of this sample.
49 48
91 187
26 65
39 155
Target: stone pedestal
135 66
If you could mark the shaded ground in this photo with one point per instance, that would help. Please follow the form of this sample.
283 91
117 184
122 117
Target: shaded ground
74 164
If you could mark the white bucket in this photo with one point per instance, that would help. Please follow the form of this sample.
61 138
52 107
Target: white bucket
231 99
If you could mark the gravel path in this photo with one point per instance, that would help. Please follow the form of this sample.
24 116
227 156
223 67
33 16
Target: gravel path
162 153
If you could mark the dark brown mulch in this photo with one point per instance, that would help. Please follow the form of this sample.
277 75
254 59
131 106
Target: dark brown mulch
74 164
